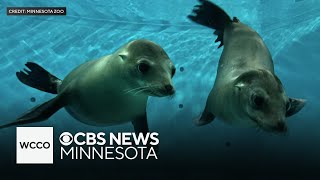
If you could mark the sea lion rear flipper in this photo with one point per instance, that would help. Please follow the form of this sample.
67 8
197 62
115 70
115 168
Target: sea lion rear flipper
39 78
210 15
38 113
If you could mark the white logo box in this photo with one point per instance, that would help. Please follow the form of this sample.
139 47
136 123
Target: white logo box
37 145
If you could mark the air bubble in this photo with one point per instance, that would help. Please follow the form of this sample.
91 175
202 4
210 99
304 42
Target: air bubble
33 99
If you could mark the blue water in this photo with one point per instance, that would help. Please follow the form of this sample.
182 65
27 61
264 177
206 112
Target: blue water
95 28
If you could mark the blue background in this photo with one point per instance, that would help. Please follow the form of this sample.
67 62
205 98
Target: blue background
95 28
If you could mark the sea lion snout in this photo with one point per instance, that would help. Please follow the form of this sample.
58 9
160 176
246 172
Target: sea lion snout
169 89
281 127
271 124
164 89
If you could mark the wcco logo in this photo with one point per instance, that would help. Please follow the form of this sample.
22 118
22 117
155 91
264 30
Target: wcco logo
34 145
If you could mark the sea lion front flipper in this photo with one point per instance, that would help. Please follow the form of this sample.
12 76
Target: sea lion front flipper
140 124
205 118
39 113
294 106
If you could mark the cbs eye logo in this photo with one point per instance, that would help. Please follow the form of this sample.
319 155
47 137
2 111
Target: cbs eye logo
66 138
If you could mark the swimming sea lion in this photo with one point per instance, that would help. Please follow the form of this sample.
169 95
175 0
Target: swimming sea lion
111 90
246 91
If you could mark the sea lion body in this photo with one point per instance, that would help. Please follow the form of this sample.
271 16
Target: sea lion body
111 90
244 50
246 91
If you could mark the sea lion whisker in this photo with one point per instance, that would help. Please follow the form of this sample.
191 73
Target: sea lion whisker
134 89
141 87
128 90
140 91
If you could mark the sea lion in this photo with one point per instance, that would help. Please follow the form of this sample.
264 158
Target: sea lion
111 90
246 91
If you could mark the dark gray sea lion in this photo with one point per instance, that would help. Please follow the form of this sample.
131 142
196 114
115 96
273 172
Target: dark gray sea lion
246 91
111 90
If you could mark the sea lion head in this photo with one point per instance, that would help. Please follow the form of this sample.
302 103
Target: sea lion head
147 68
263 101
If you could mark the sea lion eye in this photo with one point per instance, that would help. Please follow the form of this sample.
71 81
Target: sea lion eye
143 68
173 72
258 101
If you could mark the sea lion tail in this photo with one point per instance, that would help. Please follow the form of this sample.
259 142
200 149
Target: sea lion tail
39 78
211 15
39 113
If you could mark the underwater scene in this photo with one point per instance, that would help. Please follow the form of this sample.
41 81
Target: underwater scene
95 28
